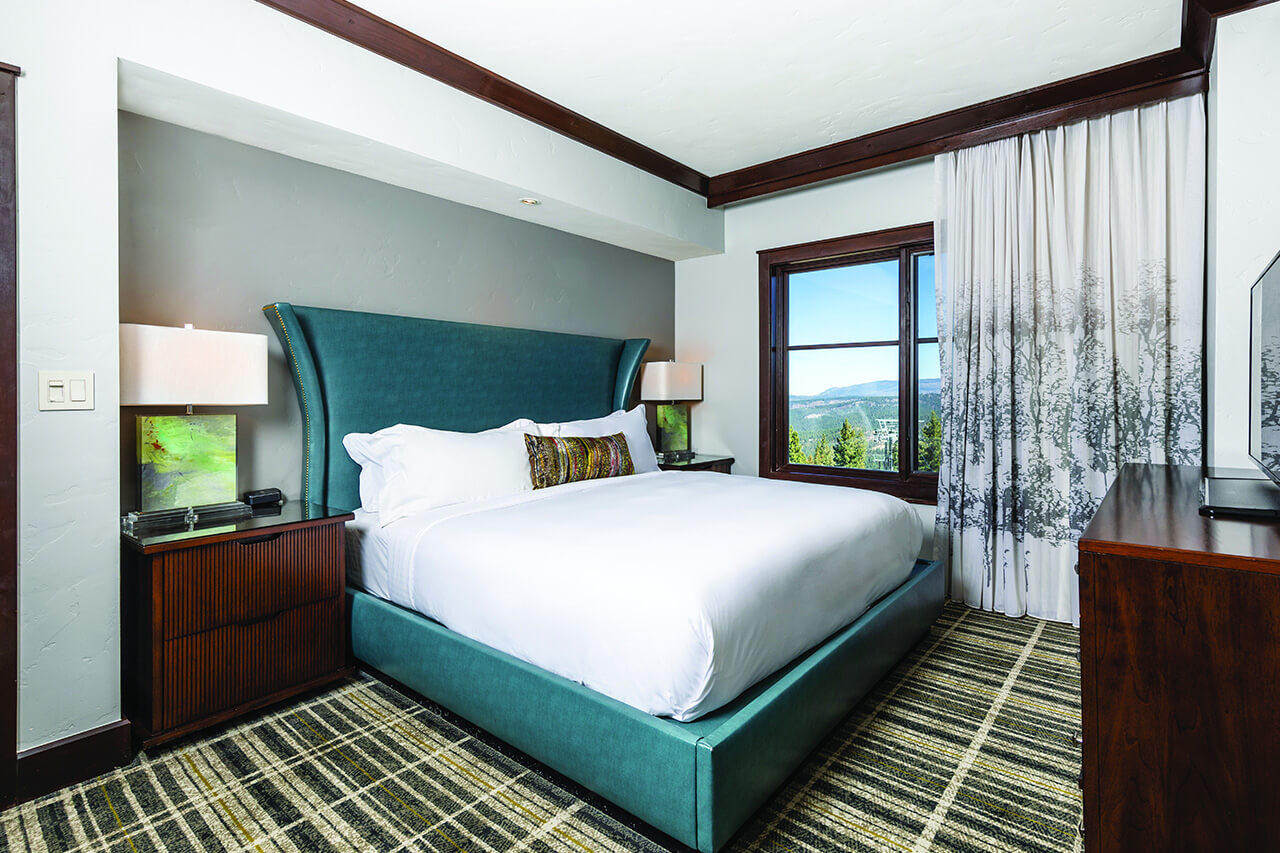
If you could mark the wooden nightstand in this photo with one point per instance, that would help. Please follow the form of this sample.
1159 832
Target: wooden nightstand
701 462
226 619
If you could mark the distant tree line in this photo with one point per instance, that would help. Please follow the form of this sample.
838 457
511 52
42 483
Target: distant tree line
850 447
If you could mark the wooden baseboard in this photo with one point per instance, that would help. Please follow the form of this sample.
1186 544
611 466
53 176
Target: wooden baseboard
50 766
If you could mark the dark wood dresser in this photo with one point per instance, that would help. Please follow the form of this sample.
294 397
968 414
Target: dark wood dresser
223 620
1180 654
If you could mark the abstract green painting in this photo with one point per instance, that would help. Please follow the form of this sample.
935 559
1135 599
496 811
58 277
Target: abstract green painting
186 460
673 427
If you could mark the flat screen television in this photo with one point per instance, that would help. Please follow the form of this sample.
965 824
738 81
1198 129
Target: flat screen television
1264 371
1242 494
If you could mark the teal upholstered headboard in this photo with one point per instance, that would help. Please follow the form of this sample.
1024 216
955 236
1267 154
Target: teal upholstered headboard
358 372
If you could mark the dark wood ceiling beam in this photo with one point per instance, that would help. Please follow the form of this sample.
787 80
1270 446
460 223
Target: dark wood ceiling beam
364 29
1174 73
1163 75
1197 31
1218 8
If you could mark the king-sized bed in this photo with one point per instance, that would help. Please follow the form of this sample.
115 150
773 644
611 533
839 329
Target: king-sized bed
676 642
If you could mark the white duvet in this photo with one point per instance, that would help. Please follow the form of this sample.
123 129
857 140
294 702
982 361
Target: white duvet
671 591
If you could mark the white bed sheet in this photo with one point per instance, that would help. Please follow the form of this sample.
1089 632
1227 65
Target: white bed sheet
670 591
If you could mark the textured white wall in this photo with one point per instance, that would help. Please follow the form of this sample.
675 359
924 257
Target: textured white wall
717 297
69 663
71 52
1243 215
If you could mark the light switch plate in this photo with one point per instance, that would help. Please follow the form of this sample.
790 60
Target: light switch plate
65 390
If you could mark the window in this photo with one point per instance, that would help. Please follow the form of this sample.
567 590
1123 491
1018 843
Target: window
849 384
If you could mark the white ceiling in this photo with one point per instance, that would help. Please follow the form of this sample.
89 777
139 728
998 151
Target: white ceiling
722 84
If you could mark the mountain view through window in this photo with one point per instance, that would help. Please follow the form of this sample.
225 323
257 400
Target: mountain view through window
845 335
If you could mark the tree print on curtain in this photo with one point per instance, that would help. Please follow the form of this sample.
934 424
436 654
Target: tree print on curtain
1070 306
1265 396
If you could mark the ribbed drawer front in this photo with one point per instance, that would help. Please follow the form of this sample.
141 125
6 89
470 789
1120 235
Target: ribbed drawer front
211 671
245 579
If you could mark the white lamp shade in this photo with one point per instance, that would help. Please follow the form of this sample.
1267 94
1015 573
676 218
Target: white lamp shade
670 380
167 366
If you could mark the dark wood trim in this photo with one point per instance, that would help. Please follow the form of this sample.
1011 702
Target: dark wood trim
1218 8
1171 74
10 69
847 345
360 27
775 265
1197 31
1165 75
8 434
837 247
48 767
918 489
768 355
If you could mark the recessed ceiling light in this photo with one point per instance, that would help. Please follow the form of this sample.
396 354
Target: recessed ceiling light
530 201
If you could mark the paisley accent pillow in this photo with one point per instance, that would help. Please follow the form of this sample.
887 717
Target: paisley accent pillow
554 461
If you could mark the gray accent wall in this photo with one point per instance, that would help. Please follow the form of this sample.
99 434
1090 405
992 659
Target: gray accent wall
212 230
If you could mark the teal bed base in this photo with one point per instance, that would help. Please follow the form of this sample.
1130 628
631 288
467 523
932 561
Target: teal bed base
698 782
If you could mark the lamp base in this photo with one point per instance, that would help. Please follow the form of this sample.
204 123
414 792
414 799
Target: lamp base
666 458
139 523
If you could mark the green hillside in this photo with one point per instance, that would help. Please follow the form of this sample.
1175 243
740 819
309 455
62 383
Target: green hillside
811 417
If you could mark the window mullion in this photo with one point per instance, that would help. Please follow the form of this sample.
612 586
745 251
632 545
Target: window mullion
906 353
780 366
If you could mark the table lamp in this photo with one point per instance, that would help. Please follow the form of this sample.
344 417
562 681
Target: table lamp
189 460
669 383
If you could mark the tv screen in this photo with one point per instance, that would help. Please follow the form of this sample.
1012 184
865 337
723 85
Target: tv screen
1264 372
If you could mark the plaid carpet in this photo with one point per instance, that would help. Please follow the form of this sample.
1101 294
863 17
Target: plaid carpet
969 745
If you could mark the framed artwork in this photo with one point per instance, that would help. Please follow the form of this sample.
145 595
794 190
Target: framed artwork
186 460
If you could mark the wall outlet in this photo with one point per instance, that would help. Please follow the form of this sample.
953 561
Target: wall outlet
65 390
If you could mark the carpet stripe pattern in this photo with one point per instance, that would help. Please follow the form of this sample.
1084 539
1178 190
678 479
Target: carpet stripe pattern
969 745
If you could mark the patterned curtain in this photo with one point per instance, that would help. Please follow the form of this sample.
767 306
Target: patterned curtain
1070 267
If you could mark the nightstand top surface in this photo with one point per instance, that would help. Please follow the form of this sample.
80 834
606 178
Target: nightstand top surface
698 460
293 513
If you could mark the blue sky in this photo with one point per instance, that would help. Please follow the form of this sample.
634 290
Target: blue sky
848 304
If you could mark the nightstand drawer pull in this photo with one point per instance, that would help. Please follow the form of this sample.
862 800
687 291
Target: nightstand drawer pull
244 623
268 537
230 582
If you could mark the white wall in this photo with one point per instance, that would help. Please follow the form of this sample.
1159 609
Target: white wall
717 297
72 52
68 584
1243 215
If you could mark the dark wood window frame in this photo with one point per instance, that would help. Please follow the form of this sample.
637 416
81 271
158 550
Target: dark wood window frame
896 243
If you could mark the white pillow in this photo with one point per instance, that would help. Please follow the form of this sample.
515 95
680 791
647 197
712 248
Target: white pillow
371 452
631 424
